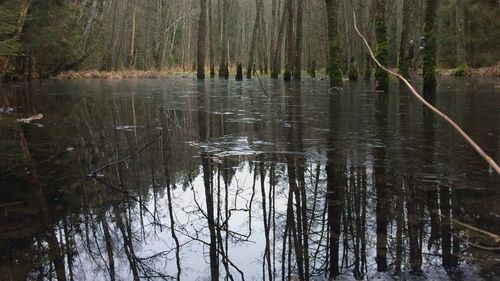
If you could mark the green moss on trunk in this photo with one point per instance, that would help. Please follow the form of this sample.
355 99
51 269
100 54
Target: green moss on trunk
429 68
404 60
381 77
334 71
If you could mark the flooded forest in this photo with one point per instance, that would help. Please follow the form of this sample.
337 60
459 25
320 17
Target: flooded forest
249 140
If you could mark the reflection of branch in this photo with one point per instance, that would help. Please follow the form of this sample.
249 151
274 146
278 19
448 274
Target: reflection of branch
233 234
218 250
126 193
262 86
481 247
92 174
493 236
447 119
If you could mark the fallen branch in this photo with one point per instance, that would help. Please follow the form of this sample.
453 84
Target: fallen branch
479 150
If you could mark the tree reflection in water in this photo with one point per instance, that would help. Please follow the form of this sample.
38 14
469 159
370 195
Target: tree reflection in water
303 185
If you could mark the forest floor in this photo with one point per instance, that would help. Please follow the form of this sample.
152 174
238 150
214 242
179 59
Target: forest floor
492 71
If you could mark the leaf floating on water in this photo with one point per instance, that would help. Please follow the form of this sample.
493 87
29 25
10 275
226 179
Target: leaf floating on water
31 118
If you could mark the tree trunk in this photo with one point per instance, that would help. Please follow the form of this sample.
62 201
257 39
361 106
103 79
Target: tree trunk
132 36
274 26
333 67
223 68
290 54
202 28
25 5
460 25
298 42
157 37
276 67
430 49
258 5
381 77
211 39
404 59
23 11
239 72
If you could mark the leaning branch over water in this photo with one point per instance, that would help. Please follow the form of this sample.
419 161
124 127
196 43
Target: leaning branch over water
479 150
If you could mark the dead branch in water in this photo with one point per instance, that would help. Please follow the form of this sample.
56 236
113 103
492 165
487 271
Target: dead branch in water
479 150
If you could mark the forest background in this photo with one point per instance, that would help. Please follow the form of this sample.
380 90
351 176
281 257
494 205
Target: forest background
45 38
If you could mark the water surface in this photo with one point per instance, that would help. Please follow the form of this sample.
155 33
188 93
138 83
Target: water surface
168 178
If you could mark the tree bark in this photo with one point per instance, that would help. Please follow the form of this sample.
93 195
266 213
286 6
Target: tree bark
130 61
298 43
430 49
460 37
276 67
381 77
211 39
223 68
258 5
404 60
290 54
25 5
333 67
202 29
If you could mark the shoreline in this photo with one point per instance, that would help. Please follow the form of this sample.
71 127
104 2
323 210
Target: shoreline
481 72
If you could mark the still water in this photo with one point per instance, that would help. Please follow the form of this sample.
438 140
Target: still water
221 180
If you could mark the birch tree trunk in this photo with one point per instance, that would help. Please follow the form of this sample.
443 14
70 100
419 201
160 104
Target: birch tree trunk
132 35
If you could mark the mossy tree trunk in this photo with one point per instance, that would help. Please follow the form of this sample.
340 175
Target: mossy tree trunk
202 28
381 77
429 68
404 60
333 67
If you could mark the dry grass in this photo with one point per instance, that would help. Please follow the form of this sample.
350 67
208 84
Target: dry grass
121 74
492 71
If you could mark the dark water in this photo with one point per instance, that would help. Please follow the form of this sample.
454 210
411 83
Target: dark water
220 181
